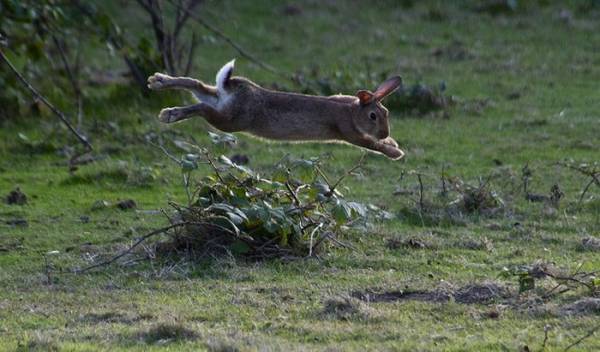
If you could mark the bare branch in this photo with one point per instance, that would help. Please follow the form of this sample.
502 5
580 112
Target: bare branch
188 66
578 341
183 14
354 168
57 112
229 41
71 74
132 247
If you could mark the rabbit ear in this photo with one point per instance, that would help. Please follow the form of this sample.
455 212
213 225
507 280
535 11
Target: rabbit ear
388 87
364 96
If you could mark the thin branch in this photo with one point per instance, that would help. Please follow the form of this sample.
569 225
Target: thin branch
57 112
71 74
132 247
188 66
215 168
354 168
183 14
590 333
229 41
294 196
152 7
586 188
420 191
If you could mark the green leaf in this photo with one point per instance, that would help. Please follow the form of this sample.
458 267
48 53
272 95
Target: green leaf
341 212
239 247
526 282
304 170
359 209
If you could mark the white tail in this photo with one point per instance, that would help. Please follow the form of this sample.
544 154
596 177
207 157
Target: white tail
223 75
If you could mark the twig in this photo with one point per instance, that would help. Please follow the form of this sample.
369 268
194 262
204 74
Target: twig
578 341
294 196
188 66
229 41
72 79
420 191
183 16
443 177
57 112
546 329
592 181
215 168
322 174
312 233
593 173
358 165
132 247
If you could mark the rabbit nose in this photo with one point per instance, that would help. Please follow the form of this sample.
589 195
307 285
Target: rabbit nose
383 134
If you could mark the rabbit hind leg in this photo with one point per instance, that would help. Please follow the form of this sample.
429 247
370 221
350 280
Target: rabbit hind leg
203 92
214 117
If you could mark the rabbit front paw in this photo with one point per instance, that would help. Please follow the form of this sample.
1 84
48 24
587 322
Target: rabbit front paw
158 80
169 115
389 141
391 152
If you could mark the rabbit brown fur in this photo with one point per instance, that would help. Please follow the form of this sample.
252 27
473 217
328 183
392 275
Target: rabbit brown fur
237 104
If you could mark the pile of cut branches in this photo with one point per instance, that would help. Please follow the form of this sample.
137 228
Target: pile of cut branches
296 212
293 213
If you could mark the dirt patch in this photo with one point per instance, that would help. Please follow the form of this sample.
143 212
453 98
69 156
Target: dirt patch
168 332
471 294
40 342
113 317
16 197
291 10
17 222
584 306
392 296
411 243
126 204
12 245
590 243
345 308
455 51
483 244
481 293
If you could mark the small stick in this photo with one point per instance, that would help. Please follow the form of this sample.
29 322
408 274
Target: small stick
72 79
592 181
358 165
312 234
294 196
212 164
128 250
546 329
590 333
228 40
57 112
420 191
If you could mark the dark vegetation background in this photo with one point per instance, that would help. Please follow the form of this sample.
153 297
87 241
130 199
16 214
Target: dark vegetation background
486 236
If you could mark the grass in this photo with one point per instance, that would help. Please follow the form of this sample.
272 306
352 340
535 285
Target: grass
227 304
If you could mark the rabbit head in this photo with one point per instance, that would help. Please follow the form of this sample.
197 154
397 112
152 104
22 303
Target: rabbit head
372 116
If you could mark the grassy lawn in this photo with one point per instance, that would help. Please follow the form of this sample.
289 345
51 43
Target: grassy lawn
525 91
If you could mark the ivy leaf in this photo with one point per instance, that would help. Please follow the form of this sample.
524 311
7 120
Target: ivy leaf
239 247
342 213
526 282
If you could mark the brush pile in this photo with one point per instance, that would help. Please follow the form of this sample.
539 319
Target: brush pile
295 212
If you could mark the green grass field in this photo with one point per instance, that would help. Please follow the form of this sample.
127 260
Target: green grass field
525 86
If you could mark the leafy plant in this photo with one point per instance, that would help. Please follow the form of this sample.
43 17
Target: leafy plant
294 212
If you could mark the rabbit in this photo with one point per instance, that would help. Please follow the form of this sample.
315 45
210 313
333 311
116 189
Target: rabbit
237 104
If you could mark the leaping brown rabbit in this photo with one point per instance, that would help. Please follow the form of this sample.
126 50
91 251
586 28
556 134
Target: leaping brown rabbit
237 104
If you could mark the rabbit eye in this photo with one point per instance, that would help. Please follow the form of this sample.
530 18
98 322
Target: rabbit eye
372 116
